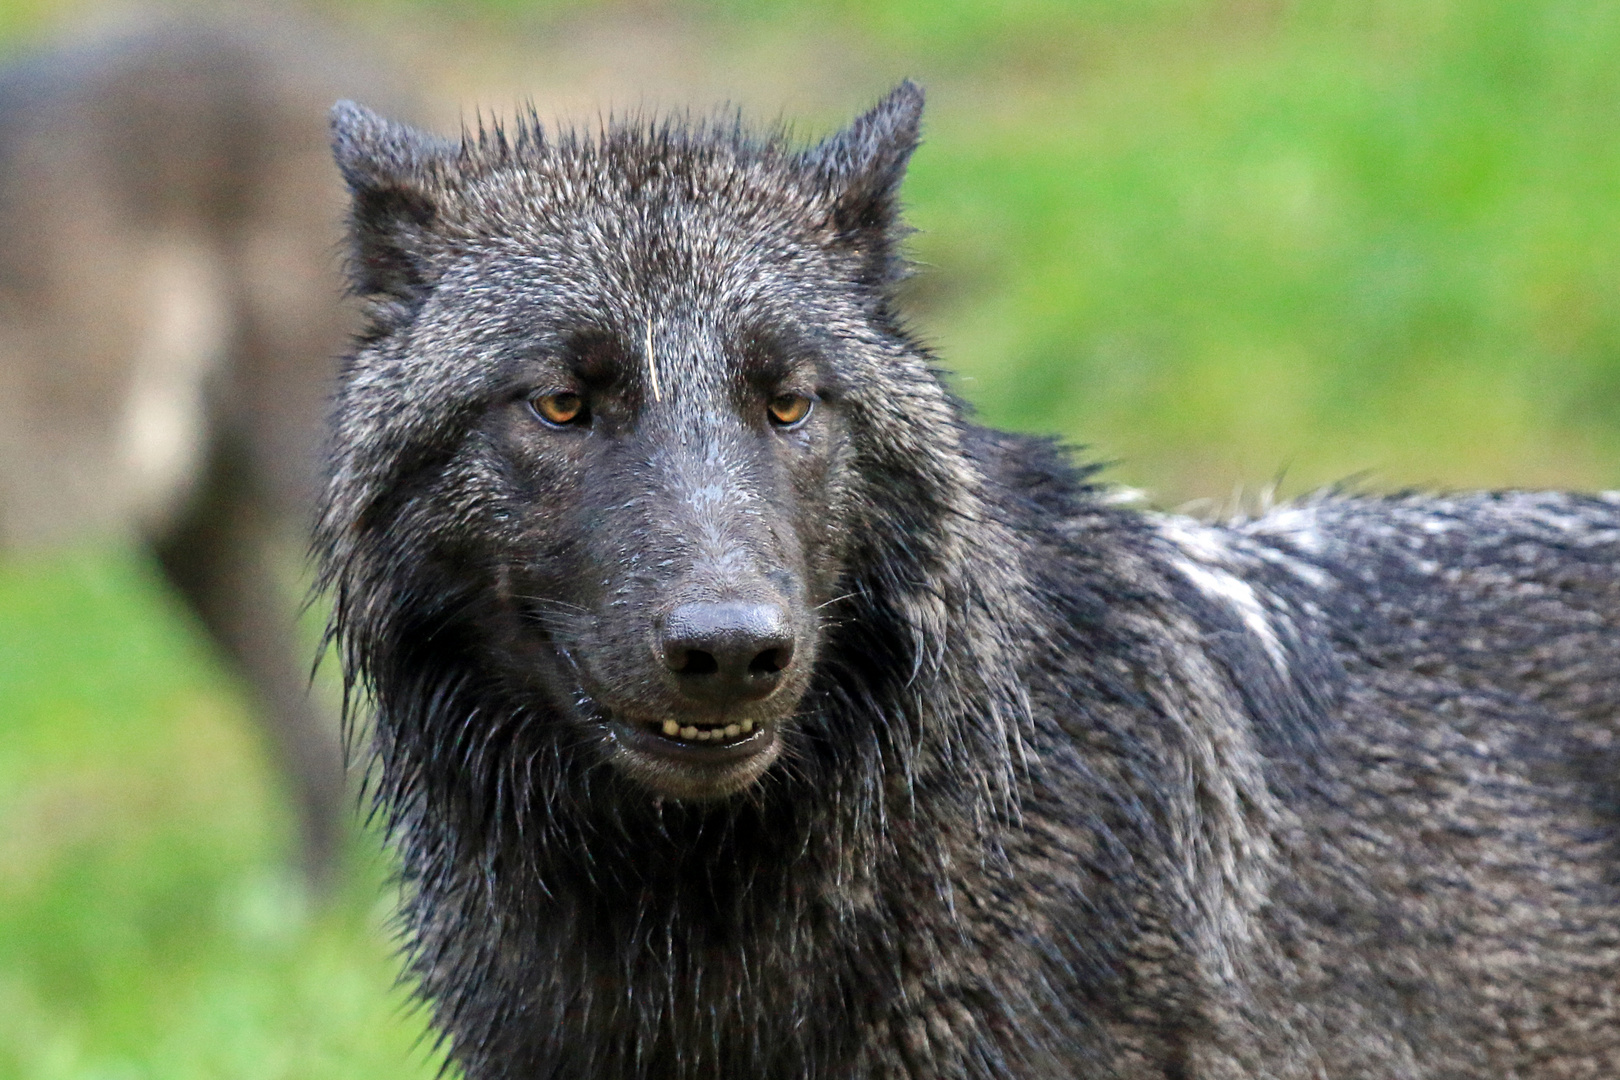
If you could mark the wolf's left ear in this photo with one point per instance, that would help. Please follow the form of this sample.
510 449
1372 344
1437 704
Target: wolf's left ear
864 164
392 172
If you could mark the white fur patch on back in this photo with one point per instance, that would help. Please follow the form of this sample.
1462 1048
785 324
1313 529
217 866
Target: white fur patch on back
1296 524
1206 561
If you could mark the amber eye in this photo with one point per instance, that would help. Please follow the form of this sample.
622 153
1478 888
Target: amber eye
789 409
559 409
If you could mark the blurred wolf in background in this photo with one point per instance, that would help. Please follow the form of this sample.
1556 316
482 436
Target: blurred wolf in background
169 318
744 710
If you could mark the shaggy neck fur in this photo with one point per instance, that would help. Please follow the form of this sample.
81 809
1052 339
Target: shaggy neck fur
648 937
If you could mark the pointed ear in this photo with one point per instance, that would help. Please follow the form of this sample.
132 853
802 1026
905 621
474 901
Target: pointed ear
392 172
863 165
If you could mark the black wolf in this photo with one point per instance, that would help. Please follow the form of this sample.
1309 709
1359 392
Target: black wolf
170 316
742 709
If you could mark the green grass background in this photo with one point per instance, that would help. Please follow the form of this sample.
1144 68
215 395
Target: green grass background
1225 244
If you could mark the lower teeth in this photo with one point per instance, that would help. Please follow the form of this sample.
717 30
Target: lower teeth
691 733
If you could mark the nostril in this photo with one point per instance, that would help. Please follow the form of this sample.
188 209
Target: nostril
697 662
771 661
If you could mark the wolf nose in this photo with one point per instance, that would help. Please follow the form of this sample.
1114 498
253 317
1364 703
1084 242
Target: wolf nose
723 653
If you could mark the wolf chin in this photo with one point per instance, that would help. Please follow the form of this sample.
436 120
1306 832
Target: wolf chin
743 709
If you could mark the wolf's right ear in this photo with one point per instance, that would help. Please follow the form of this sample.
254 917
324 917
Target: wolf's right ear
392 172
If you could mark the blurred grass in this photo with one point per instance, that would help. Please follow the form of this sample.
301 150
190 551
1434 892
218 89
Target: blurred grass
1322 240
1214 240
149 925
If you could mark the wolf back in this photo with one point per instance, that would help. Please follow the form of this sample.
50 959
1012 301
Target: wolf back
742 708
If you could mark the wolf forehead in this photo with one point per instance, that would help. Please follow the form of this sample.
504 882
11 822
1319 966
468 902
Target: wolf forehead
639 200
688 236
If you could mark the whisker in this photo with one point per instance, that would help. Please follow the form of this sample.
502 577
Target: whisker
558 618
551 601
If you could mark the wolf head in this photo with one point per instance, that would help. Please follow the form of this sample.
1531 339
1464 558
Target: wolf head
629 411
673 575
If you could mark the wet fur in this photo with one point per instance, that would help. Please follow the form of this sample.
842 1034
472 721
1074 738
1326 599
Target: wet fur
1071 790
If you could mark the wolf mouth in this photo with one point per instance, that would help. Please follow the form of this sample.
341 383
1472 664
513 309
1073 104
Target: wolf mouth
687 737
649 740
713 733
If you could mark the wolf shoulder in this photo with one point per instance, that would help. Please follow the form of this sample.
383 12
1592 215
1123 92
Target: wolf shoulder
1496 612
1516 592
